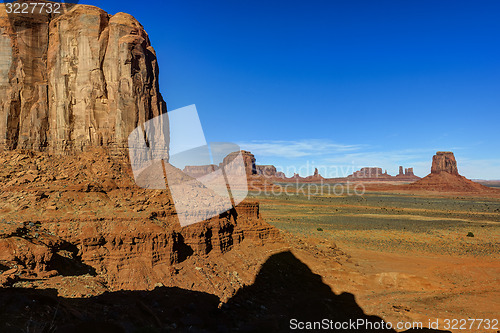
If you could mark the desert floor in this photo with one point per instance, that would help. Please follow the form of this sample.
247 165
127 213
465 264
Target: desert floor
409 257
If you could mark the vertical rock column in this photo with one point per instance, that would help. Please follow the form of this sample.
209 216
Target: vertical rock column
444 161
23 81
75 80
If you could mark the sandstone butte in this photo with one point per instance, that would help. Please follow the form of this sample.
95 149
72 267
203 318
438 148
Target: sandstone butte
444 177
75 80
72 88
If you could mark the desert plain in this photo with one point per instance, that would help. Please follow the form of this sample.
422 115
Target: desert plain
407 257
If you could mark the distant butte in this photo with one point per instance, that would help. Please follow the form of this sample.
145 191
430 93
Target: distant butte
444 177
444 161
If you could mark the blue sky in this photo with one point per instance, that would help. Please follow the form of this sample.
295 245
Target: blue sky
335 84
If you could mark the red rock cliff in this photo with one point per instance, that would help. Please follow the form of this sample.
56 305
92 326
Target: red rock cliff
75 80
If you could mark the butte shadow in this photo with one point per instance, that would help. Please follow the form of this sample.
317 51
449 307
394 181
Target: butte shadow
284 288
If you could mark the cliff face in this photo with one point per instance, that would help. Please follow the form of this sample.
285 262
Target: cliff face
248 161
75 80
444 161
266 170
84 214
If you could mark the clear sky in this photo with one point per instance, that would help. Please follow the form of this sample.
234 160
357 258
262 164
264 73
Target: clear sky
335 84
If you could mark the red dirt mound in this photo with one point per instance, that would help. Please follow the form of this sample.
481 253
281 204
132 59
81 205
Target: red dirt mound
447 182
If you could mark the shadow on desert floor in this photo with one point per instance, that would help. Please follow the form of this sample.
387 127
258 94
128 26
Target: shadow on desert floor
284 289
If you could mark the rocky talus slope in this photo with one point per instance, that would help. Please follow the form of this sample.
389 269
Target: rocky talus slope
84 215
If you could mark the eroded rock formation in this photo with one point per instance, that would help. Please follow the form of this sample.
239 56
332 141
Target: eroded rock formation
444 177
248 160
78 83
266 170
368 173
444 161
83 214
76 80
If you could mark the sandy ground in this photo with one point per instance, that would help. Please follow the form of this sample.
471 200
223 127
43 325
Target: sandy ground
409 257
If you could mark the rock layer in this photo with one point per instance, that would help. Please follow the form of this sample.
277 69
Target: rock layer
76 80
83 214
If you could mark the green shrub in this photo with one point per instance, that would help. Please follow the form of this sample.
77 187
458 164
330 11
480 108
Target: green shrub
470 234
319 229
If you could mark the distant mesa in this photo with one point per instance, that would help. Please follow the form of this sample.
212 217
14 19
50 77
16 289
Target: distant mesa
266 170
269 172
257 175
376 174
248 160
202 170
369 172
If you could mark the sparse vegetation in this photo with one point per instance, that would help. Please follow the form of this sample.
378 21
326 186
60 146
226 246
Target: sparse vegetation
392 222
